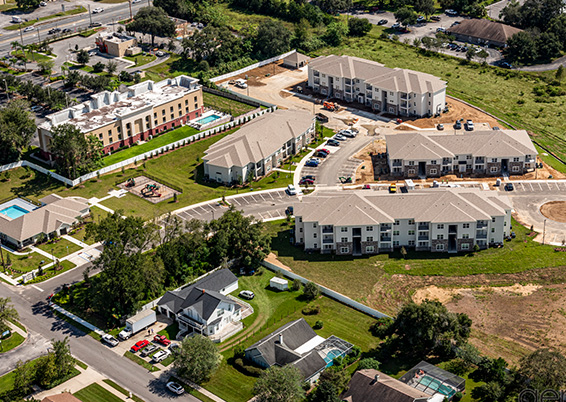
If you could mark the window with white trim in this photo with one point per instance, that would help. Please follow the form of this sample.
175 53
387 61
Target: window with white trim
344 240
440 237
343 229
440 226
344 250
369 228
370 249
411 232
433 171
369 238
411 243
465 246
440 247
465 236
466 225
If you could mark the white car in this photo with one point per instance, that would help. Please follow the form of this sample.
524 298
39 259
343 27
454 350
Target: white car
291 190
247 294
241 83
110 340
97 10
28 29
176 388
340 137
161 355
136 1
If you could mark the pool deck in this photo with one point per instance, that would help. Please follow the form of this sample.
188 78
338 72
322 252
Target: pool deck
21 205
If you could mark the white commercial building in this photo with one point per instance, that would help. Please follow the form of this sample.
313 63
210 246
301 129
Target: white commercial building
393 90
259 146
367 222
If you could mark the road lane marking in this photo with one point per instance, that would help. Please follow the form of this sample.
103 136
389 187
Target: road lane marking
38 288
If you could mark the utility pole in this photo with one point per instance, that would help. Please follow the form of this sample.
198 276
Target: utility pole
90 15
38 37
22 37
130 3
7 94
544 232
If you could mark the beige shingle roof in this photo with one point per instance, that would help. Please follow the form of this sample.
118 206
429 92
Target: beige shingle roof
45 219
259 138
376 74
433 205
485 29
488 143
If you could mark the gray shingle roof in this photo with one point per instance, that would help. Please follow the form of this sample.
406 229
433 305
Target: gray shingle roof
376 74
485 29
432 205
488 143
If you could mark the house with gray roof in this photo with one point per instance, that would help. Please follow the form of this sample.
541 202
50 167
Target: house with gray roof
22 223
259 146
298 344
367 222
483 32
480 153
205 306
395 91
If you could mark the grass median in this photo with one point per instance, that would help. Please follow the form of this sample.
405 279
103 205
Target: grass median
24 24
140 361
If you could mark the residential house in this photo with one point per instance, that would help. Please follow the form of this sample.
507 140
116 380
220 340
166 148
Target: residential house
22 223
366 222
259 146
392 90
483 153
120 119
434 381
205 306
483 32
298 344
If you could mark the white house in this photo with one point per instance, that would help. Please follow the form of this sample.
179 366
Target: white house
393 90
259 146
366 222
204 306
483 153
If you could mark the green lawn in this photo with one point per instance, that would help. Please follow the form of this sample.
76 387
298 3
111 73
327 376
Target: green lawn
32 56
61 249
10 343
50 272
25 263
170 331
122 390
141 59
275 309
74 11
135 358
363 273
10 4
80 233
96 393
226 105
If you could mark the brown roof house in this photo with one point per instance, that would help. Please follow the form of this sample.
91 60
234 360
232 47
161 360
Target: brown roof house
21 222
296 60
62 397
482 31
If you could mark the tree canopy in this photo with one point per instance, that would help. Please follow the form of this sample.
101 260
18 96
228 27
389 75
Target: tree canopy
216 45
406 16
17 127
358 26
272 38
544 369
153 21
198 359
279 384
7 313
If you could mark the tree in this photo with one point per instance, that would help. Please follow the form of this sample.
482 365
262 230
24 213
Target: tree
358 26
335 376
333 6
406 16
7 313
98 67
335 33
429 327
17 127
64 361
560 73
213 45
83 57
72 79
404 252
46 370
23 377
272 38
470 54
27 4
311 291
198 359
368 363
521 47
75 154
153 21
46 66
548 46
489 392
125 76
544 369
425 7
482 54
325 392
111 67
558 27
279 384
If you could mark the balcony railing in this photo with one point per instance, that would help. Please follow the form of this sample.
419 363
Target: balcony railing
385 228
480 160
397 163
317 81
404 96
385 238
423 226
327 230
481 235
326 241
421 237
452 231
481 225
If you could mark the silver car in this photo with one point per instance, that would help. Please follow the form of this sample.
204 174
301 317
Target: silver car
149 349
110 340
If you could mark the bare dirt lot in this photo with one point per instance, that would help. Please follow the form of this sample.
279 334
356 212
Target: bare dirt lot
555 210
255 76
364 172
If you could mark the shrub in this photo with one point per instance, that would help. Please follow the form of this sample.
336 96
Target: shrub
457 397
355 351
318 325
248 369
311 291
311 310
368 363
382 327
296 285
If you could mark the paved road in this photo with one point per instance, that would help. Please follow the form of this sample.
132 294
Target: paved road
43 325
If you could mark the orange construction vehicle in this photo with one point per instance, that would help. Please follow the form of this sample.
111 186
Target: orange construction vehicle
330 106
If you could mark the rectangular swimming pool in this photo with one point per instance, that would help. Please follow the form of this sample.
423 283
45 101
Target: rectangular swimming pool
16 208
208 119
14 211
435 385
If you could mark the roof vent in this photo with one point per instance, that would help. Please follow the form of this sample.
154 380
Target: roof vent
203 291
376 378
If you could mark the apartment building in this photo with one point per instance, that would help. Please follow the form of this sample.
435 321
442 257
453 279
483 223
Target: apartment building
484 153
259 146
121 119
393 90
368 222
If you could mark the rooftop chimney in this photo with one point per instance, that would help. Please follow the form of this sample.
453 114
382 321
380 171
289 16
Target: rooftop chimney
203 291
376 378
281 339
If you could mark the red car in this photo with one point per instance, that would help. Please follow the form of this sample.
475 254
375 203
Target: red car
306 181
326 151
139 346
162 339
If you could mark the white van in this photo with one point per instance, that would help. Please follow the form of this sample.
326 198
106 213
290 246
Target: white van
16 20
241 83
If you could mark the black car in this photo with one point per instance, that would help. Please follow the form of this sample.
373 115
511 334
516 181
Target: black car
66 30
321 154
53 31
505 64
509 187
333 143
381 22
458 125
95 24
322 118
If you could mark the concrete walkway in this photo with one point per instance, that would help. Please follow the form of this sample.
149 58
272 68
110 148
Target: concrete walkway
75 384
73 240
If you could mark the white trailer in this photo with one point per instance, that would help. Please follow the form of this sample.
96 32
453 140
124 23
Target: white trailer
136 323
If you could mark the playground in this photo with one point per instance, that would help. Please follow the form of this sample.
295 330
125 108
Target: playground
148 189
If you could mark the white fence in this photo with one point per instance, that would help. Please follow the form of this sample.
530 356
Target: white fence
141 157
77 319
251 67
328 292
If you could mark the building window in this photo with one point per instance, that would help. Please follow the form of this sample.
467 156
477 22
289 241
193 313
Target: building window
493 220
411 163
179 106
494 160
423 244
186 102
493 169
196 106
370 249
110 140
155 115
465 236
440 237
395 233
119 129
171 109
187 109
395 243
369 238
411 243
433 171
314 225
411 171
396 223
164 119
492 230
440 226
515 169
440 247
100 136
343 229
515 159
314 235
369 228
466 225
344 250
465 246
411 221
163 112
315 245
300 230
411 232
433 162
344 240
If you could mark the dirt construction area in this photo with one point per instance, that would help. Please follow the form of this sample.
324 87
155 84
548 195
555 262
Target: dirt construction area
555 210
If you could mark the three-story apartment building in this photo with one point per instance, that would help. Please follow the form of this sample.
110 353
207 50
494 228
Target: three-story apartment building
120 119
393 90
483 153
440 220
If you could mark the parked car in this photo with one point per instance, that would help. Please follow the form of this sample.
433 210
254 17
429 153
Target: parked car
97 10
66 30
347 133
159 53
53 31
435 18
366 187
110 340
333 142
340 137
458 125
247 294
28 29
440 29
469 125
451 12
149 349
309 177
43 4
393 188
136 1
161 355
322 118
495 128
175 388
291 190
396 26
326 151
95 24
320 154
440 127
162 339
382 22
175 348
509 187
311 163
139 345
306 181
505 64
420 19
241 83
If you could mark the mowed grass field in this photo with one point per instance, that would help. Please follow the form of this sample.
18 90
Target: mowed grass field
226 105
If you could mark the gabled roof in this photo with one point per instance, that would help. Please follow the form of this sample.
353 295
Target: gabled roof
46 219
259 138
487 143
205 302
485 29
62 397
296 57
431 205
213 284
376 74
365 386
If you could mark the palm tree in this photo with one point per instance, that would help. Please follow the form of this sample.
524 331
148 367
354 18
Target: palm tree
111 67
33 48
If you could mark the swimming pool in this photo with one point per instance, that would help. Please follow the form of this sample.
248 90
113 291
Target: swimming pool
331 355
14 211
435 385
208 119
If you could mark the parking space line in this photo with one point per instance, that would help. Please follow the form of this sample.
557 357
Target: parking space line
549 187
195 211
539 186
235 200
522 186
262 197
531 184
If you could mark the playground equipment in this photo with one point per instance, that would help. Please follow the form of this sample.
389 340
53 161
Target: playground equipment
131 182
332 106
150 190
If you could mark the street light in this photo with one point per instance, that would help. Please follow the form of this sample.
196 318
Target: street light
543 232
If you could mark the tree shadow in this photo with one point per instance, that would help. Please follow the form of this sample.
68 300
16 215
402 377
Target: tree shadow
41 308
157 386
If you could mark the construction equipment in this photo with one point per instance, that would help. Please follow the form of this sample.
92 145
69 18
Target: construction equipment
332 106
